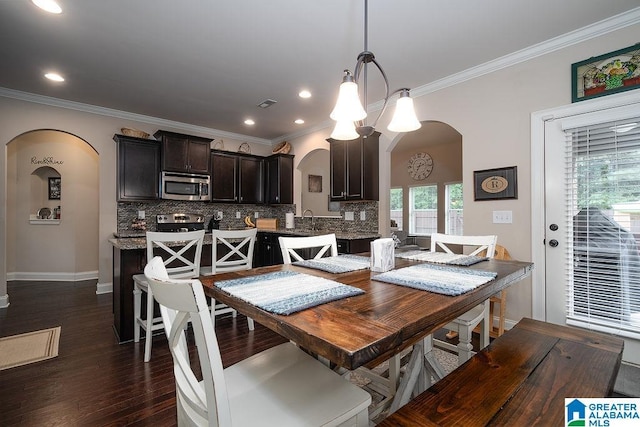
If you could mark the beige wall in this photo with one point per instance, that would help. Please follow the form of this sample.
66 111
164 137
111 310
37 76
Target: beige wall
492 113
315 163
67 250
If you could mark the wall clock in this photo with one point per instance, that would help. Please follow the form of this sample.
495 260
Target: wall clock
420 166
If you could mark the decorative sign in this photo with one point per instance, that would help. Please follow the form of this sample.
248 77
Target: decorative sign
606 74
492 184
315 183
54 188
46 161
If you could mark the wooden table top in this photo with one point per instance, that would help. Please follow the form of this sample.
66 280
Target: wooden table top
368 329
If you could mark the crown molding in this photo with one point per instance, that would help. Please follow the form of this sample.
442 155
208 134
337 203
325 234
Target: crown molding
580 35
119 114
597 29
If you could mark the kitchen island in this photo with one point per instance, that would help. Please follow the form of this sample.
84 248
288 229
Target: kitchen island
129 258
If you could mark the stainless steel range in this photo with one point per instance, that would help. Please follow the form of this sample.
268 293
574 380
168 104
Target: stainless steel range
178 222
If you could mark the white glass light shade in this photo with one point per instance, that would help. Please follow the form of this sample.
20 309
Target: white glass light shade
348 107
404 118
344 131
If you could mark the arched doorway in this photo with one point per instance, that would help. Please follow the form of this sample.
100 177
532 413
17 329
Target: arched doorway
441 145
52 207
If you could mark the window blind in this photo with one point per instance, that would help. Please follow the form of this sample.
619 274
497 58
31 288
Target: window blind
602 179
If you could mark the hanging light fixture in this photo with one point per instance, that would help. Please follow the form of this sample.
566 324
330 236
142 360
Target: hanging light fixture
349 112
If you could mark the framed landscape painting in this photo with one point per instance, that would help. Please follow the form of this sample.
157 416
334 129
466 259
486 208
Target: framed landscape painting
602 75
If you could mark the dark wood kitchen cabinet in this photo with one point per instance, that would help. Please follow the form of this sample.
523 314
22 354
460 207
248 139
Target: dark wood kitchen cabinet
236 178
354 168
279 179
184 153
250 179
138 176
224 177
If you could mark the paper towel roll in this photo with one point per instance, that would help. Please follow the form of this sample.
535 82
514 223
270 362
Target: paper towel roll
382 255
289 221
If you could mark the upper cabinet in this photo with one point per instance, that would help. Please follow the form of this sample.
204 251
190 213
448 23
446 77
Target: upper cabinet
236 178
184 153
354 168
138 175
279 179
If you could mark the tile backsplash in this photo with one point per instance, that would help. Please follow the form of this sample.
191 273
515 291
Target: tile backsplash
128 214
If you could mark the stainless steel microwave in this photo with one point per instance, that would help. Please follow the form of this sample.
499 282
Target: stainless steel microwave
185 186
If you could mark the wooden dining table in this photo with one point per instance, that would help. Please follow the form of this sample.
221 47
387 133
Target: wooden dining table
367 329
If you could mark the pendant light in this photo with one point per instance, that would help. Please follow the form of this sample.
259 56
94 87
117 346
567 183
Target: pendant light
349 112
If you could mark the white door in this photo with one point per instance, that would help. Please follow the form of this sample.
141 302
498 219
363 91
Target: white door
592 223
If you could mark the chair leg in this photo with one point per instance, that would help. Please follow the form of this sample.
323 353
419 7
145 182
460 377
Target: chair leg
137 307
149 326
484 327
503 312
465 349
251 323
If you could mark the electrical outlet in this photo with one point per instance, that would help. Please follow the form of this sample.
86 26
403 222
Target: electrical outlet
348 216
256 214
219 215
237 214
363 215
502 217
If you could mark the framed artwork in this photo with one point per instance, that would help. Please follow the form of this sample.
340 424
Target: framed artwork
54 188
493 184
315 183
613 72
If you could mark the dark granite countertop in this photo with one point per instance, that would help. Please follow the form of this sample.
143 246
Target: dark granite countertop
138 240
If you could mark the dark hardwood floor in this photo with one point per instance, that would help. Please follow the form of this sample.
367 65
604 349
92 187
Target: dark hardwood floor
95 381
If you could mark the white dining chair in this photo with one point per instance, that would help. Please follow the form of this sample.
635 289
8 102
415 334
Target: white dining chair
292 247
181 254
479 315
282 386
236 255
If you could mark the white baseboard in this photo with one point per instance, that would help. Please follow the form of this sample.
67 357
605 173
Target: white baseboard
104 288
4 301
54 277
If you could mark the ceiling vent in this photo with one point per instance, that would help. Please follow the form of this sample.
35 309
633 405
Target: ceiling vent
267 103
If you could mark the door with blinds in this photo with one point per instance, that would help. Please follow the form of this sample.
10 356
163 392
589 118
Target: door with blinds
592 208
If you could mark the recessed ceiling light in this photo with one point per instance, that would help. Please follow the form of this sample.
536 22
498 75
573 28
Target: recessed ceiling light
249 122
54 77
299 122
304 94
48 5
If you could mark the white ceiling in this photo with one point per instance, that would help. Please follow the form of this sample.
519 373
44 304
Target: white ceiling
209 63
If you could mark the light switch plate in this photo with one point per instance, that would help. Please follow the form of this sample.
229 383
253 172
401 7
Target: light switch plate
237 214
256 214
502 217
141 215
363 215
219 215
348 216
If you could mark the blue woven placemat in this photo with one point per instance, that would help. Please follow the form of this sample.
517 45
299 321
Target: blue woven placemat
440 279
337 264
286 292
441 257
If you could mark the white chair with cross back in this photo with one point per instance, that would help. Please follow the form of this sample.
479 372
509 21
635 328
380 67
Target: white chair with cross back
291 247
479 315
236 255
181 253
282 386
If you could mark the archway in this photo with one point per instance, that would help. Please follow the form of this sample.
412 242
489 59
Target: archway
442 144
52 207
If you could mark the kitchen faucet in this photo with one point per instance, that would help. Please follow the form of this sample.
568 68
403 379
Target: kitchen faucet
312 218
